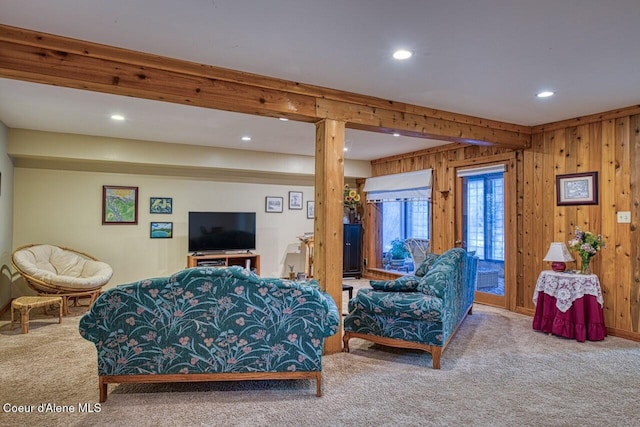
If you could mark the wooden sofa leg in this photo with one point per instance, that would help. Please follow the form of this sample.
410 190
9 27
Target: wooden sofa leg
103 390
345 341
319 384
436 352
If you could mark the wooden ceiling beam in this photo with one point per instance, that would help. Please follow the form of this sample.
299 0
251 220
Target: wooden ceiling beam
49 59
421 126
59 68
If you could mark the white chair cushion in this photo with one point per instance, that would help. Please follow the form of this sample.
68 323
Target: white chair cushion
60 267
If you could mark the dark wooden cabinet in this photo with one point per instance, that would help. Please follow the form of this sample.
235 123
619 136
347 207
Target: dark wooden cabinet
352 251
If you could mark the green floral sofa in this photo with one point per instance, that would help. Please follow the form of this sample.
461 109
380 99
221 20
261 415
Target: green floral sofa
210 324
421 311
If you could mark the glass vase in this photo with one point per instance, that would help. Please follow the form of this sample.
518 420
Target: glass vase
585 264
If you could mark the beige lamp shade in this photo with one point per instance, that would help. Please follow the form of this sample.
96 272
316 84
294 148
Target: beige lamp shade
558 255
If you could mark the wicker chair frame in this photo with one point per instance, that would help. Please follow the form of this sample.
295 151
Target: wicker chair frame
46 288
418 249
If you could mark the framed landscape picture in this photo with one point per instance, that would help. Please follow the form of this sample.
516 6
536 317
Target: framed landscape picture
311 209
577 189
295 200
273 204
161 230
119 204
160 205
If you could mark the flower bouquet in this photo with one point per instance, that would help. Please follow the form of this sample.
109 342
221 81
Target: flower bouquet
351 197
587 245
350 201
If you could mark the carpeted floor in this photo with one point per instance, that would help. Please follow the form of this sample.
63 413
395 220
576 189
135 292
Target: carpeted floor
496 372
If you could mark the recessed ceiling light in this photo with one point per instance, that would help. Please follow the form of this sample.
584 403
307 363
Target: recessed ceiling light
396 134
117 117
346 149
246 138
545 94
284 119
402 54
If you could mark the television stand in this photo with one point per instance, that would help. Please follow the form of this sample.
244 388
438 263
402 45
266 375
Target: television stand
250 260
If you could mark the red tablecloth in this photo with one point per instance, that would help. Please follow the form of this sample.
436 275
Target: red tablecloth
583 321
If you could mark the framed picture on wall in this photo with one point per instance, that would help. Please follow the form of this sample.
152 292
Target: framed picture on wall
311 209
119 204
577 189
160 205
273 204
161 230
295 200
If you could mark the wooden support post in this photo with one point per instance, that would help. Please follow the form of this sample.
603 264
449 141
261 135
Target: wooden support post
329 187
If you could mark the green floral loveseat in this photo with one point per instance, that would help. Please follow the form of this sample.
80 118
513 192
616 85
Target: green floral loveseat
210 324
421 311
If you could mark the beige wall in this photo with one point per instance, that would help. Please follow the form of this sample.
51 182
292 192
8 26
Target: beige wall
64 208
58 189
51 150
6 218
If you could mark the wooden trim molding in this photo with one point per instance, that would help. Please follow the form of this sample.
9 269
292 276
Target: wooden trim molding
478 161
593 118
413 154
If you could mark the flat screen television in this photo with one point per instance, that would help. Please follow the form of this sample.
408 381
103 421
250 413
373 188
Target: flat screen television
222 231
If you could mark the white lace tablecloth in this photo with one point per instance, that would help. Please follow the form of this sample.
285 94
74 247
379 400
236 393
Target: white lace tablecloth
567 287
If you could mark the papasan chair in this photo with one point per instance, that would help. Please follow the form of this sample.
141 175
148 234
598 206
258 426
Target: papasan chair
60 271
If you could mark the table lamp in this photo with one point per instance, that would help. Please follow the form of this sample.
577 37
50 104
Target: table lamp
558 255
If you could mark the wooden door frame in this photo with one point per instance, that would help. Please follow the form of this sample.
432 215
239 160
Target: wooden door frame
510 204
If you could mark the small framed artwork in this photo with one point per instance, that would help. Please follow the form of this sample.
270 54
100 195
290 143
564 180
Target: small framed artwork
160 205
295 200
119 205
577 189
161 230
311 209
273 204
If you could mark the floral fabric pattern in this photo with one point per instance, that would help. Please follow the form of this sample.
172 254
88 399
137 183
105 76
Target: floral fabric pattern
427 316
414 305
429 261
401 284
209 320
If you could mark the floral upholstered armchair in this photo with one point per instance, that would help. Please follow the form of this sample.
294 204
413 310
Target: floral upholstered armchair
422 311
210 324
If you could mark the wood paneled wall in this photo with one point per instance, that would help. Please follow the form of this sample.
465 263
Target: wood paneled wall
442 195
608 143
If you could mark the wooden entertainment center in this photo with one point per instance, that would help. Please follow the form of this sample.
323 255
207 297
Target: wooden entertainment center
225 260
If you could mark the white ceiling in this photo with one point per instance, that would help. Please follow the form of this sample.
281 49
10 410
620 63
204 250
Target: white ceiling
482 58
